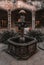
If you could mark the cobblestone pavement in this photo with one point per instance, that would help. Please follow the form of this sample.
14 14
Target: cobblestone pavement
6 59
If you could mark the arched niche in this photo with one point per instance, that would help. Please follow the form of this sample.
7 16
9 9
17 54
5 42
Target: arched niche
15 16
3 18
40 17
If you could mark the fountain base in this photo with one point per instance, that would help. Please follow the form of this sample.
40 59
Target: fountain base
22 50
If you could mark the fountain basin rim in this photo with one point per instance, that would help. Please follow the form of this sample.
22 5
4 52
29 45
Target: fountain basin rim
22 44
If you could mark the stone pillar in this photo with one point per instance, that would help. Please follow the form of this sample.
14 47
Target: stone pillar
33 20
9 19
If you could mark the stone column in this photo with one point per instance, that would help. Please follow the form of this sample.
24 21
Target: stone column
9 19
33 20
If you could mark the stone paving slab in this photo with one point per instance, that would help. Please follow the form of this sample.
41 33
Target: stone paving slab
36 59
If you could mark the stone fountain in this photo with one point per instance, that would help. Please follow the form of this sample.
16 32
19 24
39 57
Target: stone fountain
21 46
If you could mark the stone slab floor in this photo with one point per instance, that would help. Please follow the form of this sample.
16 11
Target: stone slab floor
6 59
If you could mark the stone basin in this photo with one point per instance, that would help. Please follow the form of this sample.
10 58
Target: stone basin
22 47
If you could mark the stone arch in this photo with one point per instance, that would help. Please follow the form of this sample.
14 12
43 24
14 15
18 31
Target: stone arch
15 15
40 17
3 18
